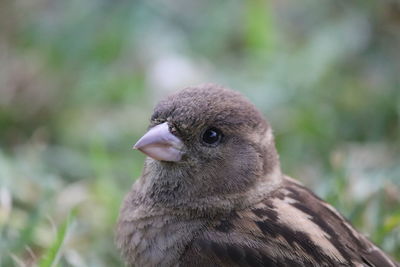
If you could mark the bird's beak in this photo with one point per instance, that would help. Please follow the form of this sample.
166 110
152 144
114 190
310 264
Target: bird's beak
160 144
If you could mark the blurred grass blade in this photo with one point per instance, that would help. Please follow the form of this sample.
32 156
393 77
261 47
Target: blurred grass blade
53 253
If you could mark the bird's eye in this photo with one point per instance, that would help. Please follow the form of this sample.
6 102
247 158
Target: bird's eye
212 136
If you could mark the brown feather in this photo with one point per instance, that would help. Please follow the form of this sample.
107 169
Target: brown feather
279 242
230 205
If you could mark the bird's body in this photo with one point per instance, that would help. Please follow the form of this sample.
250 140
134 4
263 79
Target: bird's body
208 201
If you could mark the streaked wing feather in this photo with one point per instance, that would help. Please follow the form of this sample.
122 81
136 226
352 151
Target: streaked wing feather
291 228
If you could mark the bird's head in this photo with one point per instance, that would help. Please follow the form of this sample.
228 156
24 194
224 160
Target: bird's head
210 138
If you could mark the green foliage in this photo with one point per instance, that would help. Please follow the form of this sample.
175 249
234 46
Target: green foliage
78 80
51 257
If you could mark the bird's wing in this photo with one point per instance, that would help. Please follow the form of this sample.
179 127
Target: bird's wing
293 227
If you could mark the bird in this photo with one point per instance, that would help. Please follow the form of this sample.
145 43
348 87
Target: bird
212 193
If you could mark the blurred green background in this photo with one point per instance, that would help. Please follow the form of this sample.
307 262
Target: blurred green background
78 80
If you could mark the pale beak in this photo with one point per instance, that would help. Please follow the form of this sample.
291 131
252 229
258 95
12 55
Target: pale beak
160 144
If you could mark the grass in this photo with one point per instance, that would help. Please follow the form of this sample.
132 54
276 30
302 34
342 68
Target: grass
52 255
80 80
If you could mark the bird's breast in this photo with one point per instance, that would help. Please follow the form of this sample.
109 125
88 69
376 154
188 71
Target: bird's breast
155 240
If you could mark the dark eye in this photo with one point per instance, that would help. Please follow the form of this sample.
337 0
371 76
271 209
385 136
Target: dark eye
212 136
